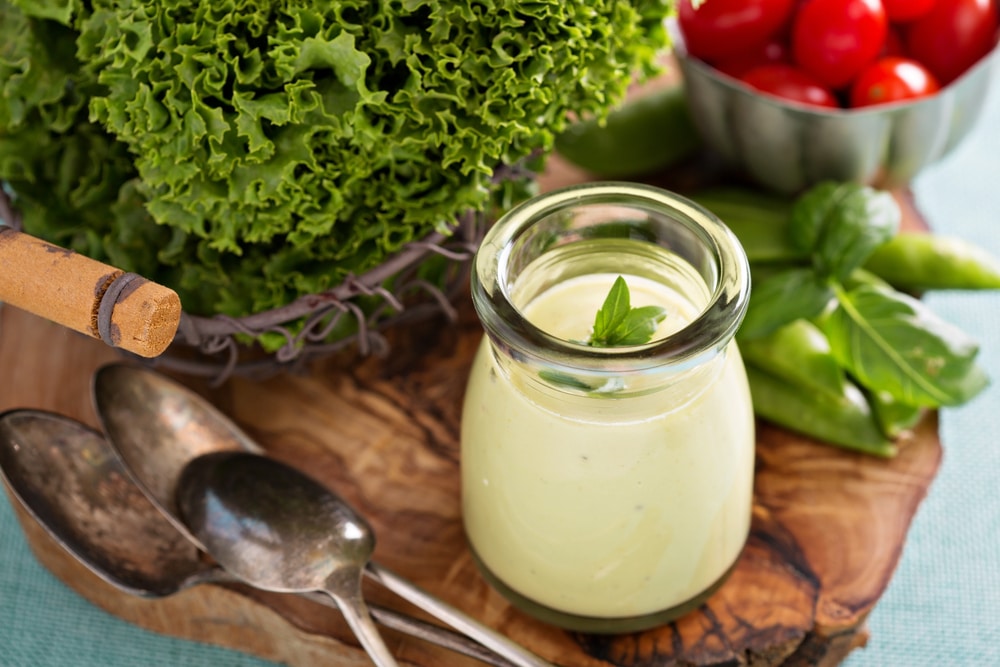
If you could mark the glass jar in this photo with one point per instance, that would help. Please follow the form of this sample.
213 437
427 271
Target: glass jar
607 489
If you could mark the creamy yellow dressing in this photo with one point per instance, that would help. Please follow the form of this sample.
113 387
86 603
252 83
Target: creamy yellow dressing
605 507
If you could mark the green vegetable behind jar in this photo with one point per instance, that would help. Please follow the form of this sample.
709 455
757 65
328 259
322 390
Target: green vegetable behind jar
833 350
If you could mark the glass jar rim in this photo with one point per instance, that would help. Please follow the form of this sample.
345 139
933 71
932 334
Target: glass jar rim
708 332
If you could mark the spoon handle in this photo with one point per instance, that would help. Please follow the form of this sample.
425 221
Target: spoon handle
443 611
390 618
418 629
438 636
352 606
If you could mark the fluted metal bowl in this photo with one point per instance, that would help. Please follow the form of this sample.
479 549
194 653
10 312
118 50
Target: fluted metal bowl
786 146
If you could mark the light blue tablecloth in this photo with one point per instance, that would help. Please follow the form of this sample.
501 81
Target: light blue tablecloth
941 610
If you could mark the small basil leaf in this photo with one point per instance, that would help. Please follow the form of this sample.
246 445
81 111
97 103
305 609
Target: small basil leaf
810 213
840 225
639 325
564 380
868 218
894 343
614 311
784 298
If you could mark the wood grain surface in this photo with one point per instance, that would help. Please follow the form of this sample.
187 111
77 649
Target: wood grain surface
828 525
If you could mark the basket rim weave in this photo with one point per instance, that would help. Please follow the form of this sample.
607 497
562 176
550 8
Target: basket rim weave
215 339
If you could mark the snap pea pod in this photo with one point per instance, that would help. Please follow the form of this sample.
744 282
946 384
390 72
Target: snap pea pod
798 353
759 220
843 419
644 135
917 262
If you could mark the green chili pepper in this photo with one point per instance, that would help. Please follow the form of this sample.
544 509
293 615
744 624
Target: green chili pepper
843 419
917 262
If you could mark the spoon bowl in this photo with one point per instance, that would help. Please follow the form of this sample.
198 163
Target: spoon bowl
156 426
70 482
269 524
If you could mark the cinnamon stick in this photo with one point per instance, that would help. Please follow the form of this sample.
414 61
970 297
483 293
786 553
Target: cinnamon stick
122 309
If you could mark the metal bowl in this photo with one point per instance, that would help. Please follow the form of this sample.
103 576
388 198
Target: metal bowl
786 146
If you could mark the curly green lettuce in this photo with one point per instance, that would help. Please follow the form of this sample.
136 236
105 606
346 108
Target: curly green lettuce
280 145
74 182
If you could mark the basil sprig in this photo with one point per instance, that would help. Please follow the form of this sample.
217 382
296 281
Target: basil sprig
618 324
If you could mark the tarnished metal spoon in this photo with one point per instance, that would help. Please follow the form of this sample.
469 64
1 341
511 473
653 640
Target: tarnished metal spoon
281 531
158 425
278 528
68 478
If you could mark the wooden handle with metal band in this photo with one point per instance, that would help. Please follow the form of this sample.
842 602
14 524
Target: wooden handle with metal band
123 309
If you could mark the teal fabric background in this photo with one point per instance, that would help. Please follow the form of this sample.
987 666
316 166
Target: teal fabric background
942 608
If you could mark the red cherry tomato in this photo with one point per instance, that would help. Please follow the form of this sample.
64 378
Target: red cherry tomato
722 28
789 83
835 39
907 10
892 80
953 36
772 52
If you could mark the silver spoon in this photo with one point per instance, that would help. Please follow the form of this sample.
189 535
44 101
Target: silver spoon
281 531
157 426
67 477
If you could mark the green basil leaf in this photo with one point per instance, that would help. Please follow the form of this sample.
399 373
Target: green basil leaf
784 298
564 379
894 343
639 325
618 324
810 213
613 313
841 224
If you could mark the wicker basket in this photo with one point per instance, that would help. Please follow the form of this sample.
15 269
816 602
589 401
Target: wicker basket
219 346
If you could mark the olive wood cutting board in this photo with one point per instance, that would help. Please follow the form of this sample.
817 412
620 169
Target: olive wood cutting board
828 526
